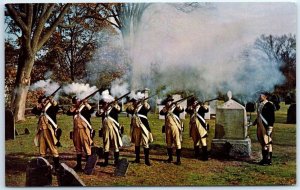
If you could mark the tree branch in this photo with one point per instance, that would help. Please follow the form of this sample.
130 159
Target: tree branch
40 26
53 27
17 18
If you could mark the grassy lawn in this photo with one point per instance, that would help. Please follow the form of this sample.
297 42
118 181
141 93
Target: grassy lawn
192 172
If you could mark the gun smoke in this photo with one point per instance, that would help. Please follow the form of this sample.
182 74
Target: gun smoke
208 50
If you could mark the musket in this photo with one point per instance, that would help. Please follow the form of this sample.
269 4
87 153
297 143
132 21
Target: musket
182 99
54 92
118 99
86 98
144 99
218 98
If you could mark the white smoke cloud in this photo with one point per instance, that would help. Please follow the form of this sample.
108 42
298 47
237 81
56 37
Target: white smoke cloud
136 95
202 50
119 87
48 86
105 96
81 90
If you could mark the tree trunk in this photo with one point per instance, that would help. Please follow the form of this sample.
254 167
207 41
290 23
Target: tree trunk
22 85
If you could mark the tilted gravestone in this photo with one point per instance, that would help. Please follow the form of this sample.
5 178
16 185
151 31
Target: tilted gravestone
121 167
92 161
38 172
66 176
9 125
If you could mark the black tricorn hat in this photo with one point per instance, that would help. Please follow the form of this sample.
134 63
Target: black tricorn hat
41 98
266 93
132 100
193 99
101 101
168 99
74 99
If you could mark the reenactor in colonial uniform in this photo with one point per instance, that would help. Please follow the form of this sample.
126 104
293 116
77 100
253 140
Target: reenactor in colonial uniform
82 130
46 137
140 128
173 127
265 121
110 129
198 127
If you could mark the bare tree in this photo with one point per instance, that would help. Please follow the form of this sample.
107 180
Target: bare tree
283 50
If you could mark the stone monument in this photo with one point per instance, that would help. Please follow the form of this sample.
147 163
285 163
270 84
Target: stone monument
231 138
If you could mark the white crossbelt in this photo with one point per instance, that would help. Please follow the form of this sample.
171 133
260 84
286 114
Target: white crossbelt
263 119
116 129
200 117
83 118
48 117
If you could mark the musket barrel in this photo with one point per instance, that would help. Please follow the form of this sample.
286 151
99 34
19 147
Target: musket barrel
182 99
55 91
91 94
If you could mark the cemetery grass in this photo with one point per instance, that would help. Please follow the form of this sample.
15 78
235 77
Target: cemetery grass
192 172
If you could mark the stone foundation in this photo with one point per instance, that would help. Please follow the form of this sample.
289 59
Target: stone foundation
231 148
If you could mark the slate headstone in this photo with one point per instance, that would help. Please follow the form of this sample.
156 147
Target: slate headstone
90 164
291 114
121 167
10 130
38 172
68 177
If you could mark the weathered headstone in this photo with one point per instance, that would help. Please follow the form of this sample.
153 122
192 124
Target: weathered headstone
98 151
291 114
231 131
126 141
68 177
38 172
121 167
10 130
91 161
26 131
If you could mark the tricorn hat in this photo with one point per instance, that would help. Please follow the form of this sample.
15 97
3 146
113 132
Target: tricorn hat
266 93
193 99
168 99
74 99
41 98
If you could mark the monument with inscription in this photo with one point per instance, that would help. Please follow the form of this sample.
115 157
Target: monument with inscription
231 130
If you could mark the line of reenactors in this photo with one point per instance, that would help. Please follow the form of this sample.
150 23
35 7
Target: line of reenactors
48 134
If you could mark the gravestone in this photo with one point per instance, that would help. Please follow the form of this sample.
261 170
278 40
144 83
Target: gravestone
126 141
38 172
291 114
231 131
121 167
68 177
91 161
10 130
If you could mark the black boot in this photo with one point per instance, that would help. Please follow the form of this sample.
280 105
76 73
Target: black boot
170 159
137 154
56 165
270 159
178 152
204 152
116 156
147 160
264 159
105 159
78 167
197 152
56 162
